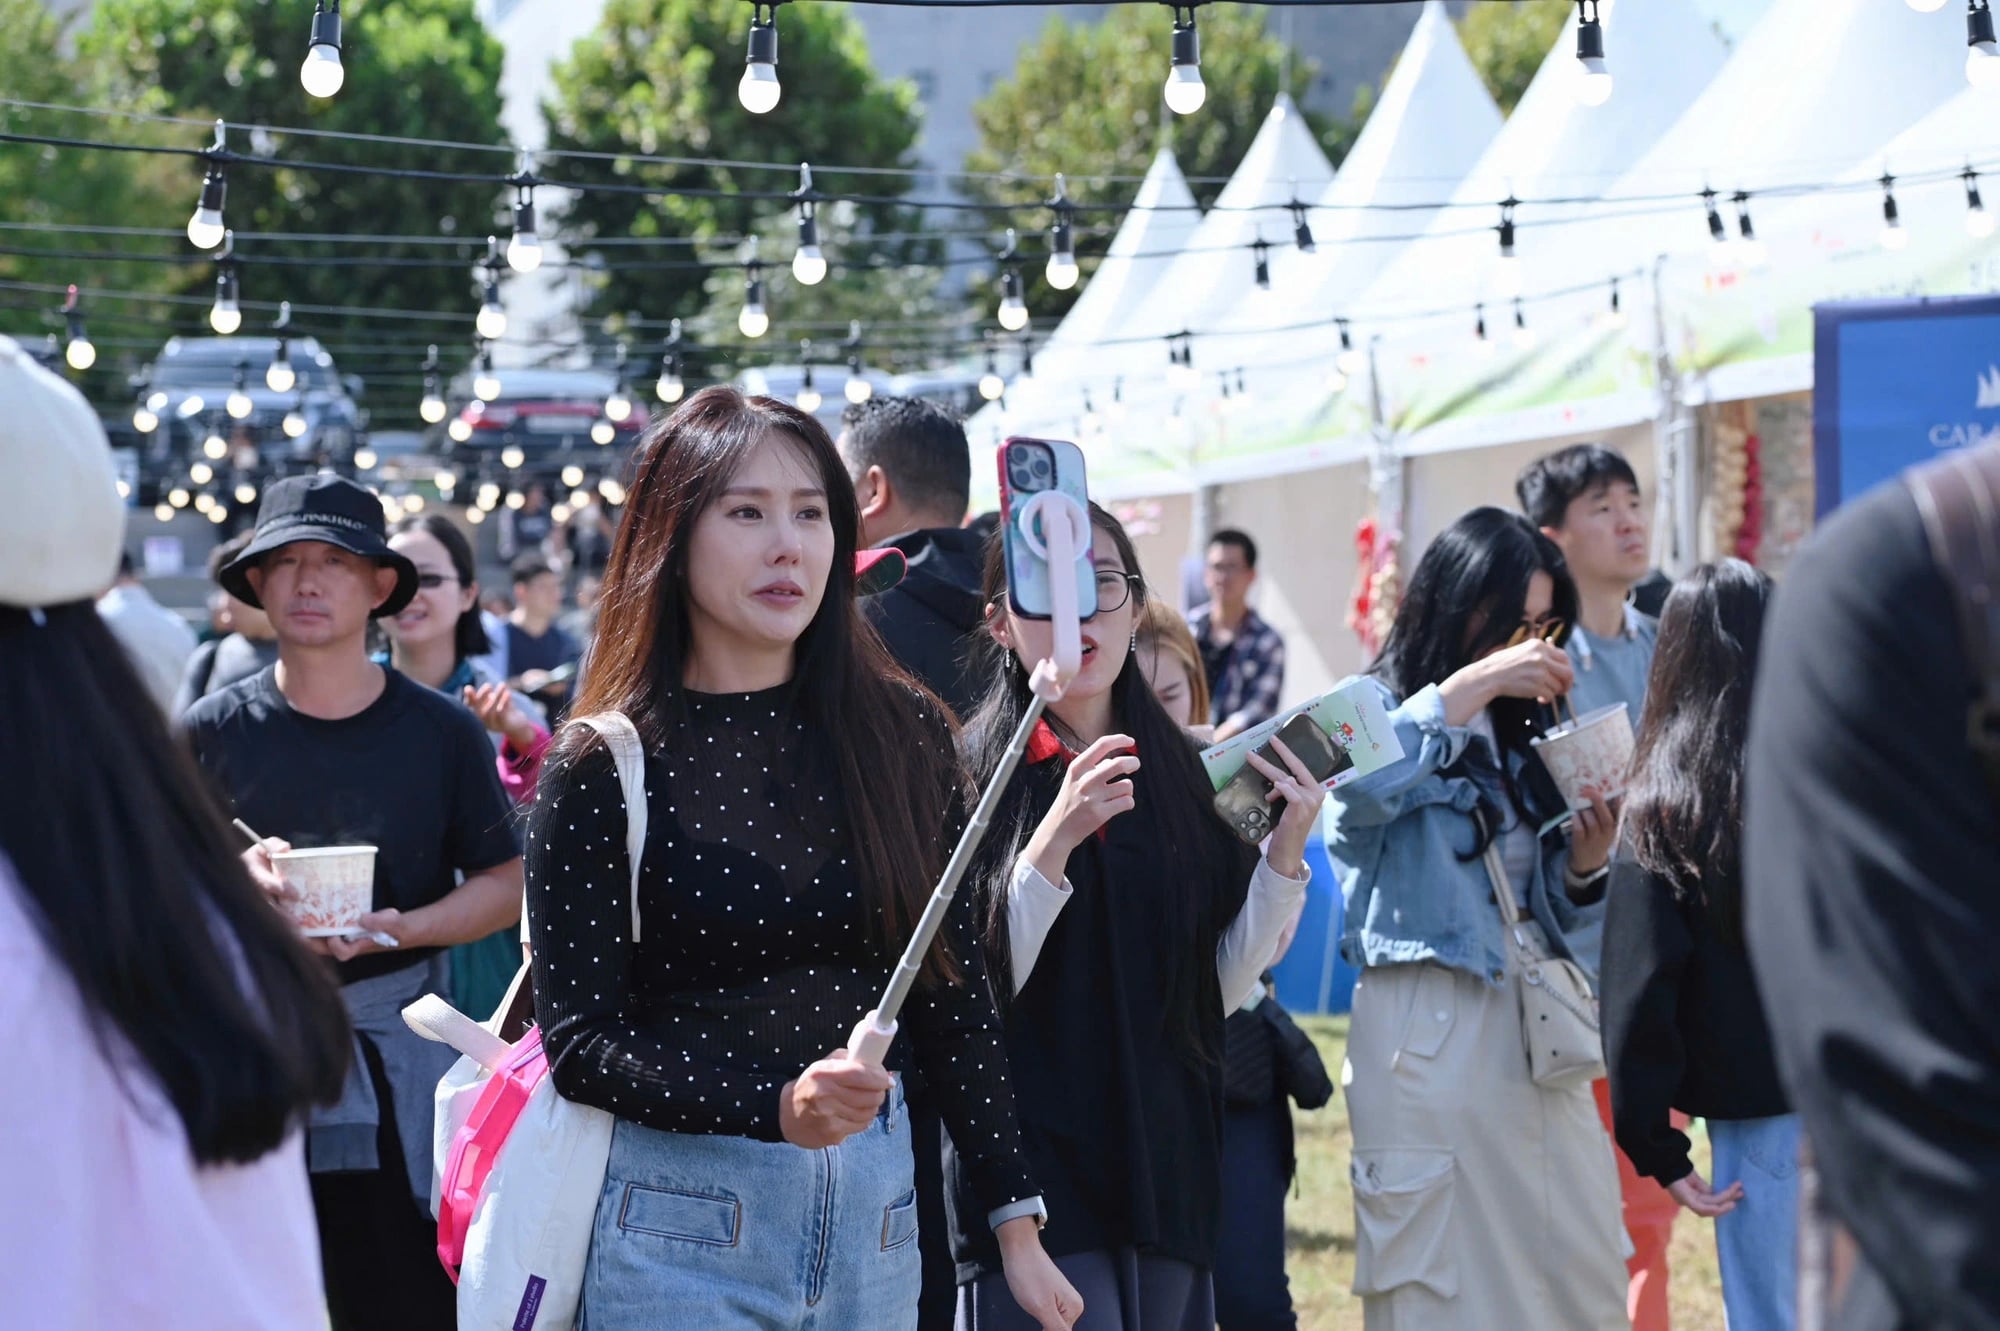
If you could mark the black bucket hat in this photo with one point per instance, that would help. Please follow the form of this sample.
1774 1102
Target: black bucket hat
330 509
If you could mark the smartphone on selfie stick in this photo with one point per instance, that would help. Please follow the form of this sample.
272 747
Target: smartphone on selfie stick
1045 540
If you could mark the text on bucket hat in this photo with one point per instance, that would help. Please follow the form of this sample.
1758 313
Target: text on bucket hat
326 508
62 523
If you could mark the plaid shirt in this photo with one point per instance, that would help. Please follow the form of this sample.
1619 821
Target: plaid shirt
1246 677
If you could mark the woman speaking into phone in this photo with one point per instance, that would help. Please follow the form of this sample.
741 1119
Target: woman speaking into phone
801 793
1481 1198
1123 920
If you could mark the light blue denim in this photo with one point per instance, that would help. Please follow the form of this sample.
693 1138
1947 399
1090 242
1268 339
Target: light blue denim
1398 839
1758 1242
730 1234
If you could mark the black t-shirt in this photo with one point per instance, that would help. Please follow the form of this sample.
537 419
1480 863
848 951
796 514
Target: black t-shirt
527 652
412 774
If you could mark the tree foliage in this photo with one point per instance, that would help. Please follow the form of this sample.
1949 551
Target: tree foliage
658 79
1508 42
421 69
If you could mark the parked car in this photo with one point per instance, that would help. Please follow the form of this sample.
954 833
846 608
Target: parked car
541 422
190 382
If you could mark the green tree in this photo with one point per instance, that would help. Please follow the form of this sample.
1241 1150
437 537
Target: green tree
425 69
1085 99
1508 42
658 79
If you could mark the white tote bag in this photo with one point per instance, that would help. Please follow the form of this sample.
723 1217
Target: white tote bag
518 1169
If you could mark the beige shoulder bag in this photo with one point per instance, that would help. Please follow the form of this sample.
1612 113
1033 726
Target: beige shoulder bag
1559 1022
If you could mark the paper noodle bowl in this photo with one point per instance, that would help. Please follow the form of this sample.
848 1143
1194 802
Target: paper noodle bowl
334 886
1593 752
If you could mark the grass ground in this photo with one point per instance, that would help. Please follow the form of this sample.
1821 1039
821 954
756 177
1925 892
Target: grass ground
1320 1220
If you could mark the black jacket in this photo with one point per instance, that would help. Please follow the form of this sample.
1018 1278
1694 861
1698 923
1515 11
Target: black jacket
1683 1026
932 620
1874 849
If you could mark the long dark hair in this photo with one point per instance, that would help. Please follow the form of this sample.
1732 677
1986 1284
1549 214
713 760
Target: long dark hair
1467 597
469 634
1683 815
1174 804
132 879
897 785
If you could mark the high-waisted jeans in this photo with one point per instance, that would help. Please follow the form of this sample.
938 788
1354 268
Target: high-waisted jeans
729 1234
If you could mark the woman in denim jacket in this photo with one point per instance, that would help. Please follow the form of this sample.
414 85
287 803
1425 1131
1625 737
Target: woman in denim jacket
1481 1199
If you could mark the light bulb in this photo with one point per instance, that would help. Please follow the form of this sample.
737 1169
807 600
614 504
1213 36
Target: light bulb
1894 238
809 399
1926 6
246 493
613 492
758 89
295 425
489 495
239 406
516 500
203 501
1524 337
560 513
859 390
1352 361
572 476
205 229
215 447
279 376
365 459
1982 65
1593 82
1979 224
225 316
669 388
145 420
512 457
80 354
1507 276
191 405
1751 252
460 430
809 265
475 515
201 473
1013 313
578 499
1336 380
413 503
178 497
524 250
1062 270
485 386
991 386
491 321
603 432
164 512
618 406
445 479
321 73
431 408
753 322
1185 92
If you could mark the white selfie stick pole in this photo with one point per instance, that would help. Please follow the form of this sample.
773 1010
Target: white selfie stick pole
1063 540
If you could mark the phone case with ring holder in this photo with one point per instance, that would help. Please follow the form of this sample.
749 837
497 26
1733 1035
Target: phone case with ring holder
1242 800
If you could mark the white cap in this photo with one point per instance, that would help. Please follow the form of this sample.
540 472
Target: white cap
62 524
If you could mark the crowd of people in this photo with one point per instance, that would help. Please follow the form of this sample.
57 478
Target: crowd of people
1087 1119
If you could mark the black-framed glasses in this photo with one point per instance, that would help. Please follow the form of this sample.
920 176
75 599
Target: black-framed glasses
1553 630
430 582
1114 589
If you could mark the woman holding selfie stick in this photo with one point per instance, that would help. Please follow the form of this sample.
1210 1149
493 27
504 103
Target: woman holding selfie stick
1482 1198
1123 920
802 795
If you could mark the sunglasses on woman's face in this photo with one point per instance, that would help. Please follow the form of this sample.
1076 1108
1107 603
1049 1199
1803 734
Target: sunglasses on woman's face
430 582
1551 630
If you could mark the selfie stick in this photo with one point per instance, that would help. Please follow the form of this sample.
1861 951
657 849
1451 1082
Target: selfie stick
1066 528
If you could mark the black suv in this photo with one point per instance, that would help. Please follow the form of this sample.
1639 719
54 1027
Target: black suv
542 422
316 420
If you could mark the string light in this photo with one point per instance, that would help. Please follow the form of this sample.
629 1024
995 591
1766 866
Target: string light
524 247
460 430
752 321
205 228
1750 249
239 406
511 457
365 459
618 407
485 383
445 479
475 515
178 497
1894 238
1926 6
1507 276
1717 232
1352 360
809 398
1524 336
1013 312
1062 271
279 376
758 90
858 389
294 424
432 408
1302 232
215 446
203 502
516 500
145 417
1479 328
1027 358
669 387
1185 92
1982 54
201 473
163 512
321 74
1979 224
602 432
491 321
1260 254
991 386
612 492
1615 316
808 262
1180 361
226 315
246 493
1593 82
79 352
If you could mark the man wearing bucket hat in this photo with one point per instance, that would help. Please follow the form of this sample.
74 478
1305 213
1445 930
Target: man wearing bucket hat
327 748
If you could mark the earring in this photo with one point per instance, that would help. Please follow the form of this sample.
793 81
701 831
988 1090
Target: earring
1133 646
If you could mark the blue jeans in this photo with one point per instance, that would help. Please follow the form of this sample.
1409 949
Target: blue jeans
732 1234
1758 1242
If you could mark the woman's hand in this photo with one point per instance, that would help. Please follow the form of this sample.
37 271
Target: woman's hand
1591 836
264 871
1035 1281
1693 1193
1533 669
1096 789
1303 798
497 710
831 1101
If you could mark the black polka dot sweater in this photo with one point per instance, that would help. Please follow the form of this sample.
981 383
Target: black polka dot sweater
755 956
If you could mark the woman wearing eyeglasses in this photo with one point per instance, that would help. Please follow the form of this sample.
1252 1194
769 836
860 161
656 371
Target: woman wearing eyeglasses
433 640
1481 1198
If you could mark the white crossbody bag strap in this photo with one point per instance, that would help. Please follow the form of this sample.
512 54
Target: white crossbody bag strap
622 737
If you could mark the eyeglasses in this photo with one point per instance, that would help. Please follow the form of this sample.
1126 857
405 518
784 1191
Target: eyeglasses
1115 589
430 582
1552 631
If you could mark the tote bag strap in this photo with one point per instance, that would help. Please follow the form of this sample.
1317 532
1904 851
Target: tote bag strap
629 754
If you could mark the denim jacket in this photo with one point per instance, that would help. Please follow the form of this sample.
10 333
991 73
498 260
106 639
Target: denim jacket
1397 837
